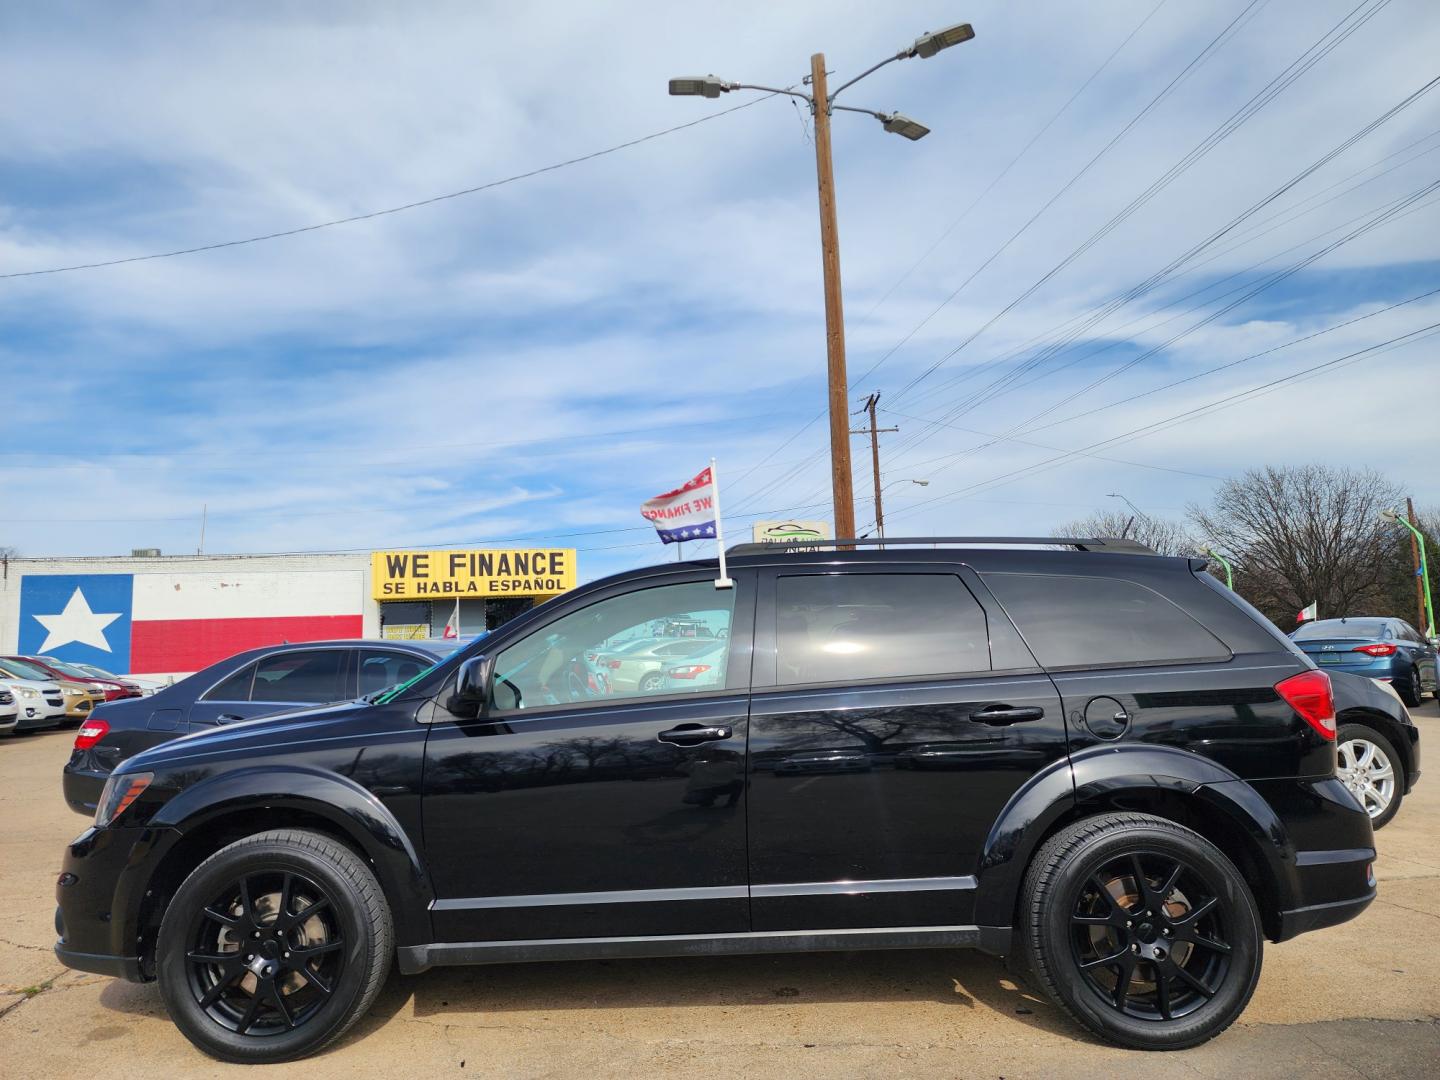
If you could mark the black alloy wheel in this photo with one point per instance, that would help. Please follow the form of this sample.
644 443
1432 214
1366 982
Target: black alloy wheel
1140 929
273 947
265 953
1149 935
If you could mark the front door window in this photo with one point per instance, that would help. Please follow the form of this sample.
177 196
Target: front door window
671 639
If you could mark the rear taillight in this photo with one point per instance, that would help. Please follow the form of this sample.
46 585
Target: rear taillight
1309 694
689 671
91 733
613 665
1375 650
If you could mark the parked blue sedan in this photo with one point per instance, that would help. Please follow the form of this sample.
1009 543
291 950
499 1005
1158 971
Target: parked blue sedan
1390 650
252 684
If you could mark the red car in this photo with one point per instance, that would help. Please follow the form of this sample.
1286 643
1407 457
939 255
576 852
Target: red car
113 689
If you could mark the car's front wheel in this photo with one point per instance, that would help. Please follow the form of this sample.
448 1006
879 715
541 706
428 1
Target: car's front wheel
1141 930
273 947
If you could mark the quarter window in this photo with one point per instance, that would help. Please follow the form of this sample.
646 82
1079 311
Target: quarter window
235 688
670 639
1074 621
848 627
300 677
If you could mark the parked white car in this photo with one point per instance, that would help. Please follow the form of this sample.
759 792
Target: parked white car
9 711
38 704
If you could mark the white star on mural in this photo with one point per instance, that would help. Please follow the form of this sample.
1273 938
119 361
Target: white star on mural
76 623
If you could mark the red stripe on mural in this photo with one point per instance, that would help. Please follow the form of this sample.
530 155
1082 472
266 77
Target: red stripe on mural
172 645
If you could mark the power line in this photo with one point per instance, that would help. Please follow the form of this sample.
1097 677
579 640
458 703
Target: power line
390 209
1168 271
944 235
1185 415
1317 51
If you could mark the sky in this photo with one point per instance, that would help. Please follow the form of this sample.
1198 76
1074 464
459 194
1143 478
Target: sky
530 362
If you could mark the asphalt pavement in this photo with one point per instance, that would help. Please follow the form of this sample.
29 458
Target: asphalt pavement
1361 999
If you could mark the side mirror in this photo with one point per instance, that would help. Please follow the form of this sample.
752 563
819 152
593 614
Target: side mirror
467 698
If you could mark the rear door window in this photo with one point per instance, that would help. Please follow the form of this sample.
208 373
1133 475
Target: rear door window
301 677
1072 621
852 627
380 668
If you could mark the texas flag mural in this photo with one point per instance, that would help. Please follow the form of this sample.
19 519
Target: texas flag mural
141 624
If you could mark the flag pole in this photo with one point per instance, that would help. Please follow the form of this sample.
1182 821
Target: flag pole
723 581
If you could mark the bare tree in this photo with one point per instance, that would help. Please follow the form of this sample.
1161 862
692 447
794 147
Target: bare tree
1164 536
1302 534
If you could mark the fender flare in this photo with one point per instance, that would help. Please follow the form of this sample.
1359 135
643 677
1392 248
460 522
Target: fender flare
1107 775
351 810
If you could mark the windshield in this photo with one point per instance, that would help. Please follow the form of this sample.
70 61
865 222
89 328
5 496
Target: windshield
1342 628
98 672
19 669
73 670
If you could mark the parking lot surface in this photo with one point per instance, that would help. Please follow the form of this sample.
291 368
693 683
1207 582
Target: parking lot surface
1362 999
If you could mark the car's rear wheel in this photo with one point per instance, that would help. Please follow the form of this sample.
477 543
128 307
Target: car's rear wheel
273 947
1370 768
1141 930
651 682
1409 688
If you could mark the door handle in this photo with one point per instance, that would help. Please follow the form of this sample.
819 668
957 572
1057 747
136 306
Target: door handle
1000 715
228 718
694 734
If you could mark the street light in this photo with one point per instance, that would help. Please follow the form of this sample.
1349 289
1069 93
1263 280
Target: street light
822 104
1393 515
879 506
927 45
1210 552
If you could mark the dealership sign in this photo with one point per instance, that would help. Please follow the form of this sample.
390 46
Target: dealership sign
790 532
427 575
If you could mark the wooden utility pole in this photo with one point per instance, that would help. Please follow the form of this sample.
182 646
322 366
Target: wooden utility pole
874 432
841 480
1422 623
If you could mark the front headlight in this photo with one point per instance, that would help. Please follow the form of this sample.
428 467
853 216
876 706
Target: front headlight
71 688
120 791
29 692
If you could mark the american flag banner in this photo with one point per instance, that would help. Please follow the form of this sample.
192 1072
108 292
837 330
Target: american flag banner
687 513
691 512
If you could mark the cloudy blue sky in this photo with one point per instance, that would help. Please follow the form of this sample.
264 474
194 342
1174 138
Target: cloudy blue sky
537 359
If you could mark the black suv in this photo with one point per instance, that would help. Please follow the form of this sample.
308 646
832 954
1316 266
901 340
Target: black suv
1128 783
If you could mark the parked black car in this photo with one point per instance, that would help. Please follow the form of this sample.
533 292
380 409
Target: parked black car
1378 745
258 682
1153 794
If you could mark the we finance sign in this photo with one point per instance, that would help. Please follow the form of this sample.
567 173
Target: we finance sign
425 575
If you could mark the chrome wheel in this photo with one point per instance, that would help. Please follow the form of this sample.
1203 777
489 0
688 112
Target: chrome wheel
1149 936
265 954
1369 774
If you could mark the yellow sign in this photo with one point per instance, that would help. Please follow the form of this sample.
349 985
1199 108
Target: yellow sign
428 575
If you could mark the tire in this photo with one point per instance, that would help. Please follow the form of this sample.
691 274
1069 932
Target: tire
1372 770
267 1011
1409 688
1204 910
650 682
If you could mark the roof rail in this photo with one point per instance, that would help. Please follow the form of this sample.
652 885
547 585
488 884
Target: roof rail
1094 543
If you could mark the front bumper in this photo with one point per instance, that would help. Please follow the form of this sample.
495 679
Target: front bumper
99 895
